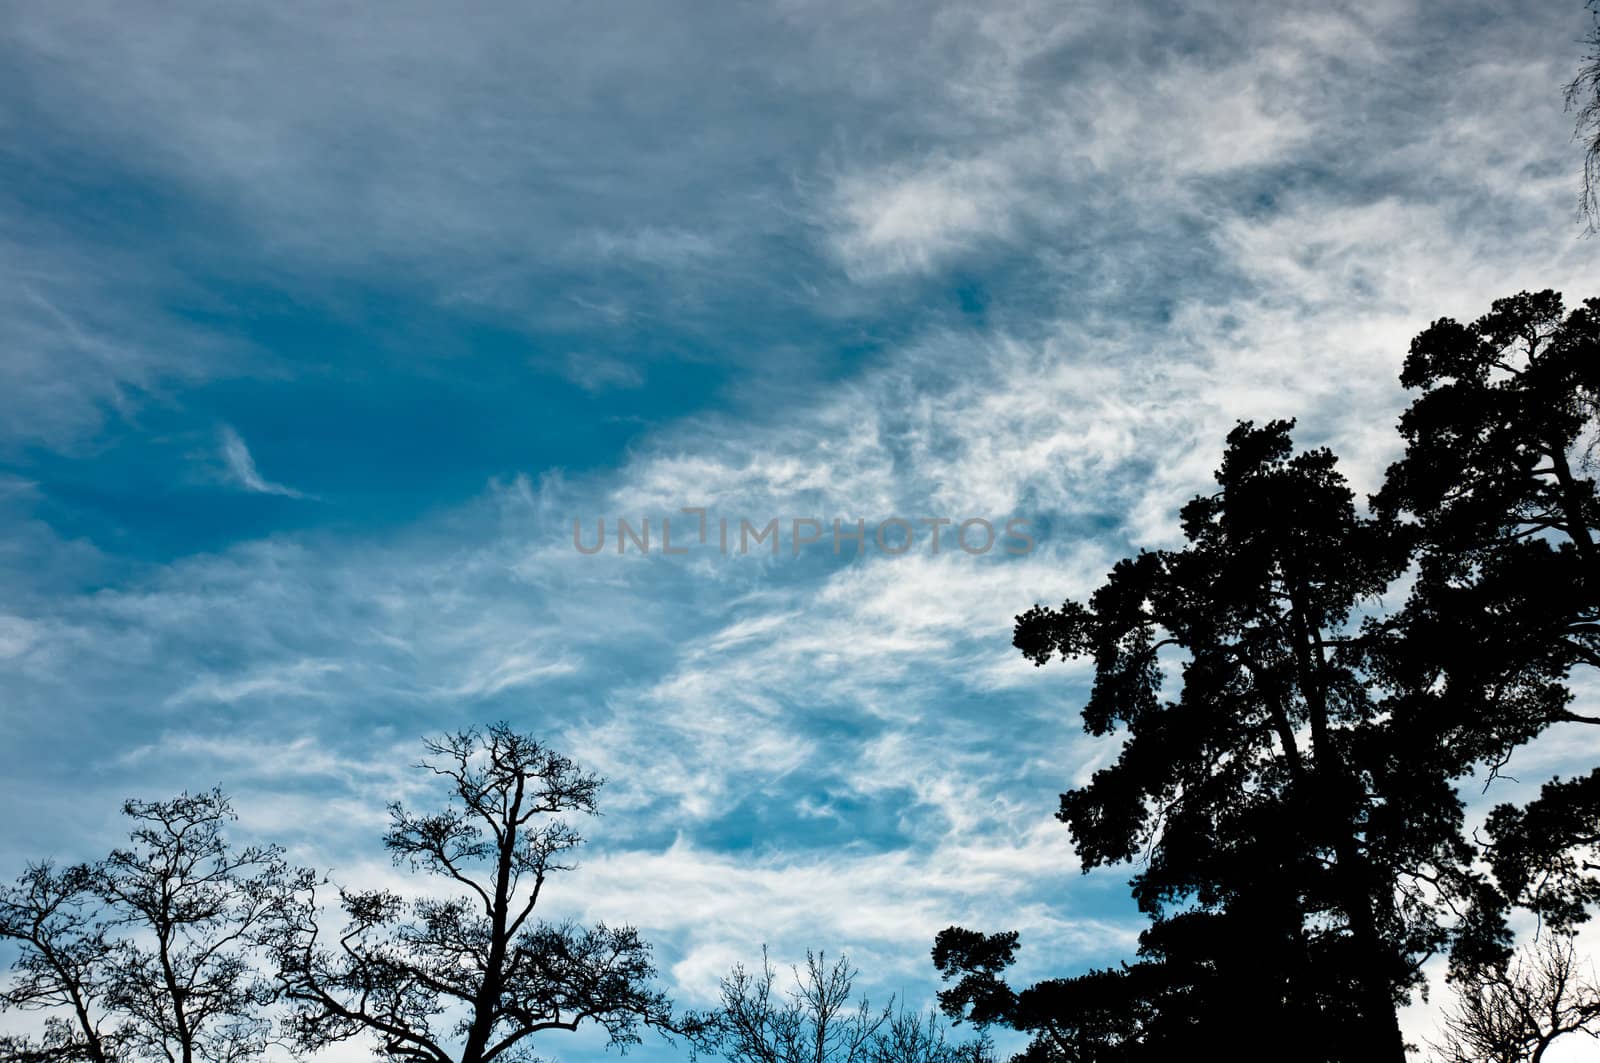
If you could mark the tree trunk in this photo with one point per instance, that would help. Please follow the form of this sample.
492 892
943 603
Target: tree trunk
1577 519
1333 790
487 1004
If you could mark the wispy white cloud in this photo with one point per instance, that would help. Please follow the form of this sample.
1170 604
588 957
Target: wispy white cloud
883 908
299 679
85 337
241 467
598 373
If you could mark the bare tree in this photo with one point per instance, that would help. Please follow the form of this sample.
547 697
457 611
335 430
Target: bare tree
470 978
913 1037
1583 97
816 1021
61 968
1515 1015
193 908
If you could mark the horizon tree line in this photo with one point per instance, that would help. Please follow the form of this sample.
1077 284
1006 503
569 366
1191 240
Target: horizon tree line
184 949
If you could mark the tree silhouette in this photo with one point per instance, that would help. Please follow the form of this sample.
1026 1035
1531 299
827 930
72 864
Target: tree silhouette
1494 491
1280 824
1515 1015
471 977
1098 1017
819 1021
184 975
1268 791
1294 811
62 968
147 954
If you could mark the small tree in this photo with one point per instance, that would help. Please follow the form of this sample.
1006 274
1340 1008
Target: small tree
1514 1015
62 965
470 978
193 908
817 1021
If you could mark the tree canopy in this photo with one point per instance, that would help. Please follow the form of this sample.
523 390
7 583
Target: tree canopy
181 947
1293 812
471 976
150 952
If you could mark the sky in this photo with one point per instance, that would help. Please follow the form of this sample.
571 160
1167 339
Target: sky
321 324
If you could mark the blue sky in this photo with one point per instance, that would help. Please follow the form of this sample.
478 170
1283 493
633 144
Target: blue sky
320 325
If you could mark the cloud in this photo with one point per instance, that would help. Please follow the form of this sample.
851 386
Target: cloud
912 222
652 246
883 908
16 635
242 468
87 341
594 374
298 679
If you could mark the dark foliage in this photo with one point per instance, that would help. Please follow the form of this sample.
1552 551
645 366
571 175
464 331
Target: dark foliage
1293 812
1495 495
